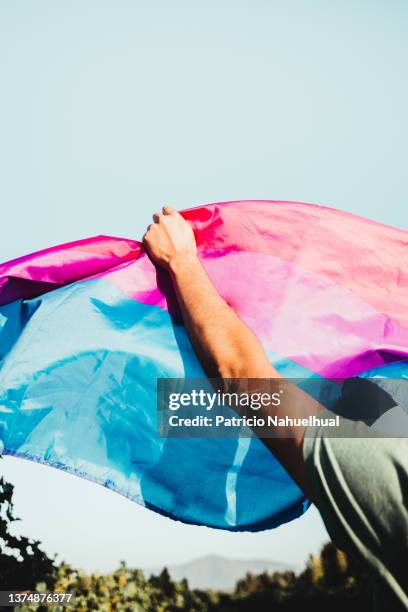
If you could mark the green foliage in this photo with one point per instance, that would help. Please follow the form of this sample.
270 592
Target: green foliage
329 581
125 590
22 562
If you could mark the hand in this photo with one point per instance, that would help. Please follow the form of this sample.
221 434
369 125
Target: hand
170 237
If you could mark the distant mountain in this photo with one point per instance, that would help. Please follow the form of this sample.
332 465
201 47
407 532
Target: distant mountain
215 572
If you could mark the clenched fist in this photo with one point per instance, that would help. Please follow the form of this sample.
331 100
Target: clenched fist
169 238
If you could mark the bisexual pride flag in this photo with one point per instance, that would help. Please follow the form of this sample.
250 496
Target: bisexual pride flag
86 328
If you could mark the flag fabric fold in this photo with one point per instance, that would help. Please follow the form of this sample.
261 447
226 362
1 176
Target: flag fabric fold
86 328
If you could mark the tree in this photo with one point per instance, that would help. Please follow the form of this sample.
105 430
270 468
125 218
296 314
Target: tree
22 562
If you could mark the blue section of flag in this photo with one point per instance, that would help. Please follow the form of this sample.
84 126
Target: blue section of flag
78 392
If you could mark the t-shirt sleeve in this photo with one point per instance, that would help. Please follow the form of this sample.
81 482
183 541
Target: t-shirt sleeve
359 482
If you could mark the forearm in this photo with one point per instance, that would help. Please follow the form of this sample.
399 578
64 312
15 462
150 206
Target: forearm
226 347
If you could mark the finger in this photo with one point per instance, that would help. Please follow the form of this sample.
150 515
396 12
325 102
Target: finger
168 210
156 217
146 232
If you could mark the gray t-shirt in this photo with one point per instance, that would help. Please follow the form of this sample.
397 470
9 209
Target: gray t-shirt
359 482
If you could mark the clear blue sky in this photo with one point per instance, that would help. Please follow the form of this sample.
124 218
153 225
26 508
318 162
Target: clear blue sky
109 109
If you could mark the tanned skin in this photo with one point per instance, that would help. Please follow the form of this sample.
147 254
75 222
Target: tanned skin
224 344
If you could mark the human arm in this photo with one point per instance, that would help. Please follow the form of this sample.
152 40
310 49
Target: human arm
224 344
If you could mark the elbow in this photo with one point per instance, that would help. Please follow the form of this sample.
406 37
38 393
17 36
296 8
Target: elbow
240 358
231 364
245 366
229 369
